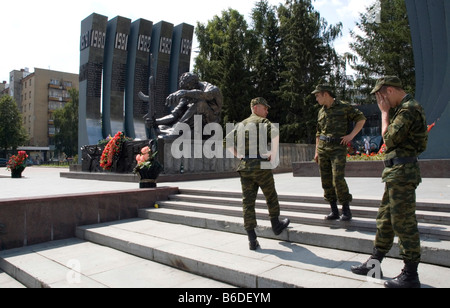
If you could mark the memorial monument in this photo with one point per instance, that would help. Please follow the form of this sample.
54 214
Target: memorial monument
430 31
117 58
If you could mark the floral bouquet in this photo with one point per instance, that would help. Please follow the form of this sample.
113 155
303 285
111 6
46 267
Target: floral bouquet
17 164
148 168
112 150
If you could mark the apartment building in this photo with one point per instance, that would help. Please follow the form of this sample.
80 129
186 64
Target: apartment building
3 88
43 92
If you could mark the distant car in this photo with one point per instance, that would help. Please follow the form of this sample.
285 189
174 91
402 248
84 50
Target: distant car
3 162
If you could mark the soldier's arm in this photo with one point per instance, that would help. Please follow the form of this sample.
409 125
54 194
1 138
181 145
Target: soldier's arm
349 138
399 129
316 156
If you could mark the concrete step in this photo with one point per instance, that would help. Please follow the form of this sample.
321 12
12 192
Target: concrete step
224 256
75 263
338 237
432 222
434 205
360 223
7 282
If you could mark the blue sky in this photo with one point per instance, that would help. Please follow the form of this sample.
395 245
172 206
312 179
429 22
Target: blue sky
45 33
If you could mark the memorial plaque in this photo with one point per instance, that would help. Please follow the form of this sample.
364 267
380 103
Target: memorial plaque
92 44
161 49
181 54
137 78
114 75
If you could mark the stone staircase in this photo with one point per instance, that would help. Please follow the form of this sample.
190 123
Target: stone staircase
196 239
219 210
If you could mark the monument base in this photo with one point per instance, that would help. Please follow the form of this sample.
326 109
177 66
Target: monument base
196 162
429 169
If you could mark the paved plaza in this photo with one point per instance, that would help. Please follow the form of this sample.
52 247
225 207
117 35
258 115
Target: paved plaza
280 263
40 181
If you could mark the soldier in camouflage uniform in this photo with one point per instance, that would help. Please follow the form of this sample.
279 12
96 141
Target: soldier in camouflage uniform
254 168
405 134
335 121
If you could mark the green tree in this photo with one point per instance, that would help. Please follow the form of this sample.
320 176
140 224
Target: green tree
12 132
225 59
384 47
66 124
309 58
282 56
268 64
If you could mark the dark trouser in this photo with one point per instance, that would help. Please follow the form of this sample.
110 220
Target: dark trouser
251 181
332 172
397 216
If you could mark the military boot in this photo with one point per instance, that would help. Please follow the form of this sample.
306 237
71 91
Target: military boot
408 279
334 215
278 226
252 239
370 265
346 212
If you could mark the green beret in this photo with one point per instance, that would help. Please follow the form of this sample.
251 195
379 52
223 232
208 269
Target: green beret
392 81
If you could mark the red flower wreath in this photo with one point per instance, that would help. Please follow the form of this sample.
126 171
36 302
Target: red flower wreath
112 148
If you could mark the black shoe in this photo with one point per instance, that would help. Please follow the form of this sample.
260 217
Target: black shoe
252 240
346 213
371 265
334 215
278 226
408 279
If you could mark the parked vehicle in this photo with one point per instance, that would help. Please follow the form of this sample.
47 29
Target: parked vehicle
3 162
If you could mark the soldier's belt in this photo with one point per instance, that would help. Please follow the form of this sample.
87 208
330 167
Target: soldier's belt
330 139
259 157
400 161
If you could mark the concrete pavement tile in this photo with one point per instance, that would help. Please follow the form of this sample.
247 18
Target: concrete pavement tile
146 274
299 277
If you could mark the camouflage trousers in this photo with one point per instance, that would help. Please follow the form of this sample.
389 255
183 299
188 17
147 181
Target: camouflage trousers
397 216
251 181
332 173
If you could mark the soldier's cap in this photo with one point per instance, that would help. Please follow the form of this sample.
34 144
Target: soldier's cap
259 101
324 88
392 81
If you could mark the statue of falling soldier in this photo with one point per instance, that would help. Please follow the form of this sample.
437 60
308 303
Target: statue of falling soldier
194 98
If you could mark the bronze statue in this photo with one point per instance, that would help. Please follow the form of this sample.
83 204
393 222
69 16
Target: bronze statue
195 97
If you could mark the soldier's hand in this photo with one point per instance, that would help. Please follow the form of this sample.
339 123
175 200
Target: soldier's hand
383 104
346 139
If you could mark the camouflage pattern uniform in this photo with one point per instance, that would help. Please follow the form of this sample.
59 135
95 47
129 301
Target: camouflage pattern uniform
253 176
407 137
335 122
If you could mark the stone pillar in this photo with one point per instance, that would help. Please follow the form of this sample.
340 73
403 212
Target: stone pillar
161 49
92 45
116 49
138 68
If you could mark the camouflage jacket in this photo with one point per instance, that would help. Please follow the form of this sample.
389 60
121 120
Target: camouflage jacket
336 122
407 136
247 140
